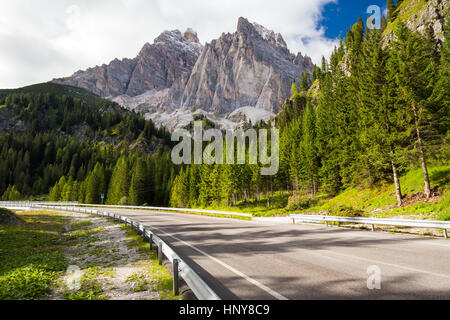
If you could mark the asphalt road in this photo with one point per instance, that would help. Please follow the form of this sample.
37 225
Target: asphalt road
258 260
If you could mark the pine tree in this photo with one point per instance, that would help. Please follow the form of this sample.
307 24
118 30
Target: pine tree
414 78
138 187
378 112
96 185
391 7
305 82
294 89
194 182
119 183
309 150
441 93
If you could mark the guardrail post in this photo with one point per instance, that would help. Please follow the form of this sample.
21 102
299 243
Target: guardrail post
176 284
160 253
373 228
150 240
445 234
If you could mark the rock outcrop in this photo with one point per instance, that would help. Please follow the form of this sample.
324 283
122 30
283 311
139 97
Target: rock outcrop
251 67
418 15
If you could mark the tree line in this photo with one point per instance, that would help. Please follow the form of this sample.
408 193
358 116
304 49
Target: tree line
371 113
67 147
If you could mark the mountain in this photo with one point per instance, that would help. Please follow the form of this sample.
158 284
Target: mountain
247 74
67 111
156 67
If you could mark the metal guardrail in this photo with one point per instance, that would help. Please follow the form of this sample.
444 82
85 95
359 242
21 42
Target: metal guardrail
201 290
27 204
212 212
431 224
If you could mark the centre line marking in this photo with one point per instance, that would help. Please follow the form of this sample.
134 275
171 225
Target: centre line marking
230 268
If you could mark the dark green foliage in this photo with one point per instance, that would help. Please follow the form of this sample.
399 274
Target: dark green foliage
139 188
69 144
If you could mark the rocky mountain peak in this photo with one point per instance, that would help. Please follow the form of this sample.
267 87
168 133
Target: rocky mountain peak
170 36
247 28
191 36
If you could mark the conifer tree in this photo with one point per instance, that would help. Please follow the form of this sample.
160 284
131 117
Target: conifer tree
96 185
414 76
305 82
378 112
119 183
138 187
441 94
309 150
391 7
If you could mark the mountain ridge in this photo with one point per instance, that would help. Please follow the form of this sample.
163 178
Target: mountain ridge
176 76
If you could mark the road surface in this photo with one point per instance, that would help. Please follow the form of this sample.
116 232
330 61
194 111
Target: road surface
257 260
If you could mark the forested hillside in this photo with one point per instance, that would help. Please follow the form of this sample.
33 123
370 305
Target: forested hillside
63 135
373 115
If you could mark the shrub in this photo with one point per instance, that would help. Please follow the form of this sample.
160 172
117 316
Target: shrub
344 211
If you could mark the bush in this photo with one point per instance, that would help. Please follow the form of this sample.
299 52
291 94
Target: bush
344 211
123 201
297 202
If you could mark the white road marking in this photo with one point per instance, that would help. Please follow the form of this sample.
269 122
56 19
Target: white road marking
390 264
223 264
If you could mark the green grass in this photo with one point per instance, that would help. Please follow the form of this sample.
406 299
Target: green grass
383 197
30 256
91 287
141 282
80 225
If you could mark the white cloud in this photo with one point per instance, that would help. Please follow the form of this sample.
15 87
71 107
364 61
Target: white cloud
41 40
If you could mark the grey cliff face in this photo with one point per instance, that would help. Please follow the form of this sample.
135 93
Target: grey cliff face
251 67
157 66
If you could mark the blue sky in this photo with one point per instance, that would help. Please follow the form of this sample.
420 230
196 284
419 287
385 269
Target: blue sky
338 17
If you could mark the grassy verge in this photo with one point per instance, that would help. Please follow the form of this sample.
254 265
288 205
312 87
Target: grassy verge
161 278
380 201
31 256
113 263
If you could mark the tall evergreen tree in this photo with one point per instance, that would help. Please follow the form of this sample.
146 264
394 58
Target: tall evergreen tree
120 182
414 76
138 187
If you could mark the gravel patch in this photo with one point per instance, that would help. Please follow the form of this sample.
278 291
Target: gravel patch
103 263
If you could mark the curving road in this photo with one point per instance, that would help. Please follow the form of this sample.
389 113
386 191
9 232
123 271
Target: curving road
261 260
